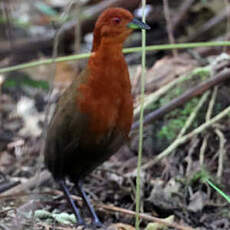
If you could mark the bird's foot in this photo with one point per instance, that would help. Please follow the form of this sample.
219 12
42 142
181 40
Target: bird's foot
97 223
95 220
92 226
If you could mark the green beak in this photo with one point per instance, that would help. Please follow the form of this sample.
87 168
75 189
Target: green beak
136 24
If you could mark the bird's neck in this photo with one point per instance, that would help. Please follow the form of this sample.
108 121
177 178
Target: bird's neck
108 67
107 58
109 51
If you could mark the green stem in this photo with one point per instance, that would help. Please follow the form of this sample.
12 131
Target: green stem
126 50
218 190
138 179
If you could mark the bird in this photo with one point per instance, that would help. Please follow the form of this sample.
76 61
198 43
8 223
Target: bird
94 115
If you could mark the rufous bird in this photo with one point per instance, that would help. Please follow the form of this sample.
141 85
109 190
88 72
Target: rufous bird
93 117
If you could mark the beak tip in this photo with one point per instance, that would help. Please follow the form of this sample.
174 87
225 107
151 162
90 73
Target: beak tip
137 24
147 27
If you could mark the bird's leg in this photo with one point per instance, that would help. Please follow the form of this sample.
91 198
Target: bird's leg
76 211
96 221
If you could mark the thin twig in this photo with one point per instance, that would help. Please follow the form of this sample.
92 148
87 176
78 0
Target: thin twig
185 138
208 117
193 114
221 153
143 216
203 149
169 26
211 103
193 144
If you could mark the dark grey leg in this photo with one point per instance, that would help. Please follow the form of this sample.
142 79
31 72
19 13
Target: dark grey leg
76 211
96 221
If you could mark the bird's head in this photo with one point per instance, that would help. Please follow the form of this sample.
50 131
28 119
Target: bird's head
114 25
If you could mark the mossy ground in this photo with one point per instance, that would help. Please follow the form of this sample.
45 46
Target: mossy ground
167 129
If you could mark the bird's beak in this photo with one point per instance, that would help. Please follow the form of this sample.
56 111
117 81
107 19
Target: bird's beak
137 24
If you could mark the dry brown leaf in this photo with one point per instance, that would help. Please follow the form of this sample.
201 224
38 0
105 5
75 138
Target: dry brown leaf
167 69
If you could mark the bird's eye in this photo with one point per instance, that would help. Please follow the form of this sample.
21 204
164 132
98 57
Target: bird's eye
116 20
